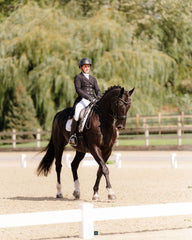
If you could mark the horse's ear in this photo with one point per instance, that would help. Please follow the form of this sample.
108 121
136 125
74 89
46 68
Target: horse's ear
131 91
121 93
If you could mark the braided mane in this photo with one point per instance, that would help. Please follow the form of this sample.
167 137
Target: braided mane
111 88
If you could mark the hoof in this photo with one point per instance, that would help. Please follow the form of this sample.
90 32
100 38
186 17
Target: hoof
60 195
76 194
95 197
112 197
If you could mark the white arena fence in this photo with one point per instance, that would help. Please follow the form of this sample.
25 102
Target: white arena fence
86 215
89 161
115 159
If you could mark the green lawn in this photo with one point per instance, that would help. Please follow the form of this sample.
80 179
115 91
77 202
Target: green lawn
155 142
24 145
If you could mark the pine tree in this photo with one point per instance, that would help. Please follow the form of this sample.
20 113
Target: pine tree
21 113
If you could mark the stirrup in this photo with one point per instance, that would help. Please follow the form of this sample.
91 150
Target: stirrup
73 140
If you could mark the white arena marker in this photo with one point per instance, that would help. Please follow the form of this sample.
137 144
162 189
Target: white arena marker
118 160
174 160
23 161
68 160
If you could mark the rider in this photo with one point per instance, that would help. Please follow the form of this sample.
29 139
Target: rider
87 89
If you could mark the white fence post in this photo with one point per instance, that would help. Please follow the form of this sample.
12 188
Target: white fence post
146 135
179 142
159 121
86 225
38 138
14 138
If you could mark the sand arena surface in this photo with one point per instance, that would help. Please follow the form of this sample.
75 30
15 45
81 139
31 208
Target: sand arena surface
145 178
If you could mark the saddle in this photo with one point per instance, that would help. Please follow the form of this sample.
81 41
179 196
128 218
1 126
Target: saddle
83 117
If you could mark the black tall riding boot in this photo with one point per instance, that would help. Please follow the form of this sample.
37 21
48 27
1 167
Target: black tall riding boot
73 137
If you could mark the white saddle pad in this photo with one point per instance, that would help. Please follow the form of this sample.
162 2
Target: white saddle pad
68 125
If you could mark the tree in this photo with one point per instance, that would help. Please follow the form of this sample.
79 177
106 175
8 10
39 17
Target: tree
20 113
131 43
9 6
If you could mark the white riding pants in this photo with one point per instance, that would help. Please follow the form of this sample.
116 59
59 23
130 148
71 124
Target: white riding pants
80 105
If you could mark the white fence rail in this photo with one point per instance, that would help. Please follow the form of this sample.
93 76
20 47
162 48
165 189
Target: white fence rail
39 218
86 215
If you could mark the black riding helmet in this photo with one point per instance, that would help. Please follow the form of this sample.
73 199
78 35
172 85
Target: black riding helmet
85 61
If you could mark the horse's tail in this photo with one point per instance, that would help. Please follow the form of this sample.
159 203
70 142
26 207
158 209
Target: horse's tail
47 161
57 128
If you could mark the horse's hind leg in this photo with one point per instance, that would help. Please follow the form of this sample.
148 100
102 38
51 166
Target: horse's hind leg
58 167
74 165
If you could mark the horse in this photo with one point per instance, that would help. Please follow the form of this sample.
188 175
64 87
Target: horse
109 113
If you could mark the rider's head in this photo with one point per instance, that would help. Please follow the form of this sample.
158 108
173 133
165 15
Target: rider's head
85 65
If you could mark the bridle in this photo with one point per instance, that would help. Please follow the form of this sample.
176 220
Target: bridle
116 116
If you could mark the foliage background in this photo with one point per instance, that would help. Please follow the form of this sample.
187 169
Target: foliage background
137 43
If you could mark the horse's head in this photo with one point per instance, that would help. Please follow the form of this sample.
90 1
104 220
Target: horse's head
121 107
115 104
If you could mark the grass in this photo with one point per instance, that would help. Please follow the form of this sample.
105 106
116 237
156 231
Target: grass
24 145
172 140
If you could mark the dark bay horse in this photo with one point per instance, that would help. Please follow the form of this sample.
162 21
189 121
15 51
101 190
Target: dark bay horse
98 139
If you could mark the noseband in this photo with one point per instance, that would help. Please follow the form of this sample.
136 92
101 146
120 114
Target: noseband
117 104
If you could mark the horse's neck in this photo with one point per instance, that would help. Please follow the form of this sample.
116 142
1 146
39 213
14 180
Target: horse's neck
106 105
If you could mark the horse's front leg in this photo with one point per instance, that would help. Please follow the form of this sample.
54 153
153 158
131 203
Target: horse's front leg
74 166
96 186
103 170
